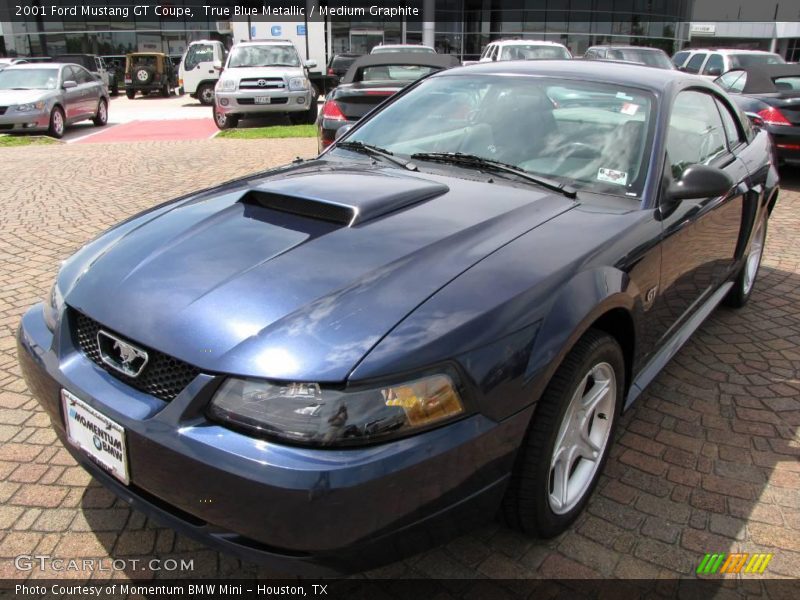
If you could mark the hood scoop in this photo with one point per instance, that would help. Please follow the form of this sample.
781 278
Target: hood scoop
347 198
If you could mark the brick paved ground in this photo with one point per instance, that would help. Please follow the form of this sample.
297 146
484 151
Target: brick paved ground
708 460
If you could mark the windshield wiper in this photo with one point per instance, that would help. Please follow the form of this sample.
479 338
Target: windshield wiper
371 150
471 160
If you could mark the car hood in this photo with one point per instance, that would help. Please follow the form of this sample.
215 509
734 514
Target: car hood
277 277
240 73
13 97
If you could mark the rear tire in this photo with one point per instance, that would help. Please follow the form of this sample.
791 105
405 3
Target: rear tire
205 94
165 92
224 121
567 443
130 94
57 124
101 116
745 281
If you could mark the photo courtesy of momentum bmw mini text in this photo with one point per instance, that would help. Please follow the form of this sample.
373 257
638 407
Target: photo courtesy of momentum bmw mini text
442 299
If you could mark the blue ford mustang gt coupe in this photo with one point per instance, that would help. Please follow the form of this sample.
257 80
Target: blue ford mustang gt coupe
331 364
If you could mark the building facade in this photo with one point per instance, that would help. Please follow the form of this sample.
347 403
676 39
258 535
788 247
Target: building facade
460 27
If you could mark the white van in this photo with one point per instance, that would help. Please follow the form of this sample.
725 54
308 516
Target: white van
200 69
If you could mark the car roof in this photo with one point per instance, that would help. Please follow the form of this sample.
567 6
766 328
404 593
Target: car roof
614 72
403 46
726 50
526 42
265 43
623 47
760 77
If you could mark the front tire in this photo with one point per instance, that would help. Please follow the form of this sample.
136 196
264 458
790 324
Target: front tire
205 94
101 116
224 121
567 443
57 124
745 281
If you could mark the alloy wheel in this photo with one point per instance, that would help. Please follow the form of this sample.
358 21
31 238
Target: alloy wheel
582 438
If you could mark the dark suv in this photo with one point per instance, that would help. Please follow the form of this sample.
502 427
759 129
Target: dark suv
337 67
97 66
147 72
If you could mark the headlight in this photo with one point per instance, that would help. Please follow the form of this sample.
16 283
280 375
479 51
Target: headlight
53 305
298 83
228 85
31 106
309 414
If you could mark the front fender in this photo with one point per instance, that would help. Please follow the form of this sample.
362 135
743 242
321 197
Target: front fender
579 304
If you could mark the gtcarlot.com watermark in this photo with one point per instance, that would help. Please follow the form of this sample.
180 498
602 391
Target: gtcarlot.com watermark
47 563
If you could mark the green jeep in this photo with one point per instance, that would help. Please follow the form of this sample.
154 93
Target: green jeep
147 72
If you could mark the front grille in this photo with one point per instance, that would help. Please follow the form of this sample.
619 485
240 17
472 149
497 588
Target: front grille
269 83
3 110
163 376
251 101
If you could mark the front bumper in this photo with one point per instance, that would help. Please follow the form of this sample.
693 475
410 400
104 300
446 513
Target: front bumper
244 101
299 510
24 121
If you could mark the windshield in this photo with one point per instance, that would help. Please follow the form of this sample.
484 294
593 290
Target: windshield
749 60
386 50
263 56
651 58
28 79
588 135
532 52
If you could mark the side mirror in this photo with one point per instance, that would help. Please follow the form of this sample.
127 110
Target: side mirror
69 84
700 181
310 64
341 132
217 65
715 71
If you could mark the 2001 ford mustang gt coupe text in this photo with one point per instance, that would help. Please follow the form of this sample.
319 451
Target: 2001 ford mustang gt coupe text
333 363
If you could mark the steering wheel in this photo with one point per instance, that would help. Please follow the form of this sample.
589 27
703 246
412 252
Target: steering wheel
578 150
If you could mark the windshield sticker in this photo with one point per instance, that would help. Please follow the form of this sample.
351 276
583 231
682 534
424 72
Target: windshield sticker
612 176
624 96
629 109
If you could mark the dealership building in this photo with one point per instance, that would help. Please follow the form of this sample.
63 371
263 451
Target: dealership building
460 27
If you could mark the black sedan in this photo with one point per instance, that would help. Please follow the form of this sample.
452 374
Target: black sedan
770 96
369 81
334 362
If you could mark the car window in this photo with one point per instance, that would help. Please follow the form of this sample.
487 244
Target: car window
729 124
732 81
693 66
196 54
680 58
695 134
787 83
263 56
586 134
30 79
404 73
493 53
82 75
714 66
532 52
750 60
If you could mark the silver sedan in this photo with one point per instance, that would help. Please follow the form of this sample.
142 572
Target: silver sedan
48 97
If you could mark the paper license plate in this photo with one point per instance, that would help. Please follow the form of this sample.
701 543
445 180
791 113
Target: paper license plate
97 435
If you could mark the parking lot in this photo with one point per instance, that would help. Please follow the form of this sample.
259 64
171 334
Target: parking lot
708 460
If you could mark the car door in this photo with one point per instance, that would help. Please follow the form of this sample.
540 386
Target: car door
700 236
73 97
89 86
714 66
198 66
694 64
